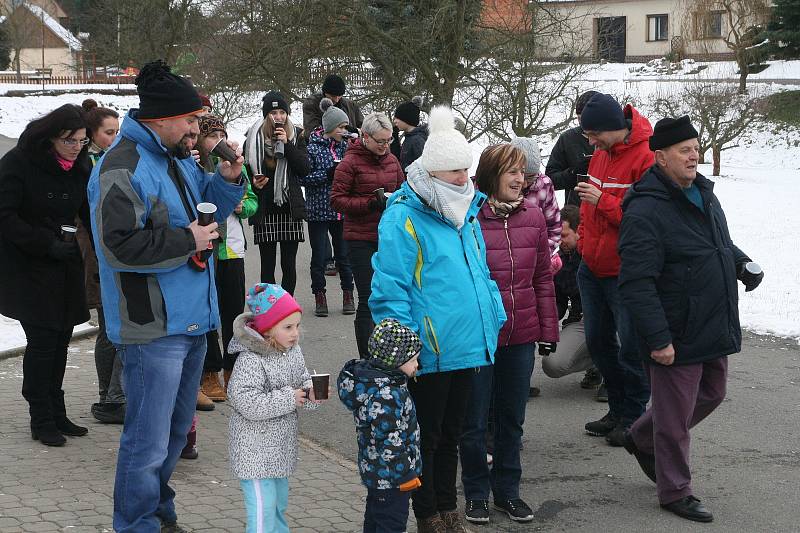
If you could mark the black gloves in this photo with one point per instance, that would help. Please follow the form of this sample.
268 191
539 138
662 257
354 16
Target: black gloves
748 278
377 205
331 171
546 348
63 251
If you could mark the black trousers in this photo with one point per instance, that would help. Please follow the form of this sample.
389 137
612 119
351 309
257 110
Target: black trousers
43 368
230 283
269 255
441 403
360 253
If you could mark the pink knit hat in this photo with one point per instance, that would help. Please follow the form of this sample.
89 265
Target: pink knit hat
270 304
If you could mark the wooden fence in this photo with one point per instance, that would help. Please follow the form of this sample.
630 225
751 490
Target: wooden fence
35 79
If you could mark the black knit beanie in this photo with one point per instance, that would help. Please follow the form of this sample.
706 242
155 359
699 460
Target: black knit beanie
273 100
163 94
408 112
333 85
602 113
669 131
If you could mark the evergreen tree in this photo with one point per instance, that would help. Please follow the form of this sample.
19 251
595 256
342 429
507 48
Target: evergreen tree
783 30
5 50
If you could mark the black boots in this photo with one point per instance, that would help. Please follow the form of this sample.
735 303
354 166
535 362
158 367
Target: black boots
48 434
67 427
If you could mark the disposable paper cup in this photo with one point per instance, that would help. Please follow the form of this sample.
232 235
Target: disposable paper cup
205 213
68 233
321 383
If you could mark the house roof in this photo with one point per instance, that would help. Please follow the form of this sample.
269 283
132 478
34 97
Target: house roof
60 31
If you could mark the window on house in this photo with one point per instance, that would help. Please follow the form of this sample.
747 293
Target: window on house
709 25
657 27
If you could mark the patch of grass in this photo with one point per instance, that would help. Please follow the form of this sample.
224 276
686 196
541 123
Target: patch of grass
783 107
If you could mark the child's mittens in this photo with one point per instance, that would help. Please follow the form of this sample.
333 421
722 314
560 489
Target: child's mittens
411 484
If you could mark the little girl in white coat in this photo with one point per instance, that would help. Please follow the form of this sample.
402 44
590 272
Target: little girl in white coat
269 382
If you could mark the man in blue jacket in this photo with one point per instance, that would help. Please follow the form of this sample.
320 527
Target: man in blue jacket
160 301
678 281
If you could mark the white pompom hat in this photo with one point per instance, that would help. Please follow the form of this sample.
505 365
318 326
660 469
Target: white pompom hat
446 148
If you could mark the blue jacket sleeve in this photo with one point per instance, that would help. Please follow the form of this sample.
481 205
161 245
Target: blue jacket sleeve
394 265
224 194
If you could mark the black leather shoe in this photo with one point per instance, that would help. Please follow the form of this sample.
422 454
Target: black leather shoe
689 508
66 427
48 434
109 413
646 461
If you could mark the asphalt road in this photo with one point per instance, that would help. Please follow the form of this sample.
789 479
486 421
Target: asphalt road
746 456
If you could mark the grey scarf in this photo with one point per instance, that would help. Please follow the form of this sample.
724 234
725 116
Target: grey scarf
451 201
259 148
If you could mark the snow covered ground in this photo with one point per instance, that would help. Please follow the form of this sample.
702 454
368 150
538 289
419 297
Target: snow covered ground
759 187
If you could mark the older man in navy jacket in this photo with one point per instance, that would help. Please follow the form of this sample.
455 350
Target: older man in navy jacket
678 281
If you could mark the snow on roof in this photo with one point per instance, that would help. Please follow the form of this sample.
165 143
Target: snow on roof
63 33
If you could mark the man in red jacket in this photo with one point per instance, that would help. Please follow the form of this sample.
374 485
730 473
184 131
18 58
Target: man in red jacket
620 138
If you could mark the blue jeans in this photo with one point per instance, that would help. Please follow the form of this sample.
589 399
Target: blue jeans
613 345
318 236
386 511
508 382
161 379
265 501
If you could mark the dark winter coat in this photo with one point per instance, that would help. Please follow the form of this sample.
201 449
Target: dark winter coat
568 158
321 155
386 424
613 172
413 143
37 197
354 184
312 114
518 256
678 276
568 297
297 161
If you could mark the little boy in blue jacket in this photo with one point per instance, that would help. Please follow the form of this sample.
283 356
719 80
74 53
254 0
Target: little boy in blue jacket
376 391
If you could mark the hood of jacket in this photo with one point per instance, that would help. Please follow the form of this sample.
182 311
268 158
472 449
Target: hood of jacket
641 131
247 339
366 375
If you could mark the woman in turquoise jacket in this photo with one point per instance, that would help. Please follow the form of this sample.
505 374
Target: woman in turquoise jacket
431 275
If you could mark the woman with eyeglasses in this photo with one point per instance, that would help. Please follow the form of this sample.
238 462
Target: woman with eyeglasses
367 173
42 190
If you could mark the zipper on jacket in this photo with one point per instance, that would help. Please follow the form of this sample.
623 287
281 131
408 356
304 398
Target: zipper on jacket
511 255
432 340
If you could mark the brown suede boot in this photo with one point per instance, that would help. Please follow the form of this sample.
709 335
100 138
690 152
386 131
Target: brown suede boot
211 387
432 524
452 522
203 403
348 303
226 376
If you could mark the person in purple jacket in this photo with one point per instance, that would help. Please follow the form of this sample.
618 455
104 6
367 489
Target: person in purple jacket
518 255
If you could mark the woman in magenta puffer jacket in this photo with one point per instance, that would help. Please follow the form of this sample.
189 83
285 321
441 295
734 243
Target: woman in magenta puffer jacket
518 255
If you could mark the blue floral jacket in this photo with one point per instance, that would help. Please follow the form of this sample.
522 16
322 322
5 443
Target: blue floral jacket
386 424
321 155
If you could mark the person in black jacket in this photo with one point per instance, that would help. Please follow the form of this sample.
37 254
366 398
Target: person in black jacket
678 281
570 156
275 151
406 120
42 190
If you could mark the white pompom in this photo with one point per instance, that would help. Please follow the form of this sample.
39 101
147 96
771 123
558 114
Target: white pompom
440 120
417 101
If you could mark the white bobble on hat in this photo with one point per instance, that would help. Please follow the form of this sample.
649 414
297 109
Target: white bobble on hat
446 148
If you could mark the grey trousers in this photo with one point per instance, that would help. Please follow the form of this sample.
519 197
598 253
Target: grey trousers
571 356
683 395
108 365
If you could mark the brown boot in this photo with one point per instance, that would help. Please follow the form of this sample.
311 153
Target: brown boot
321 302
452 522
211 387
203 403
348 304
226 376
432 524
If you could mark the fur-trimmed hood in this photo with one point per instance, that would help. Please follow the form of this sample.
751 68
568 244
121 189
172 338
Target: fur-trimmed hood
245 338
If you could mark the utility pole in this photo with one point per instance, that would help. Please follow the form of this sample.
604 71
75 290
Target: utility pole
43 67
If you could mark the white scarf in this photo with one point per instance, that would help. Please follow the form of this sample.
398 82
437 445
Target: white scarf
451 201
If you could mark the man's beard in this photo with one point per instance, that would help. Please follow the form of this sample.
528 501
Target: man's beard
183 149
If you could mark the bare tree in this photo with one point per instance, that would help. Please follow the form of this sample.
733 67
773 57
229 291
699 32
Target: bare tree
517 86
743 23
722 116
